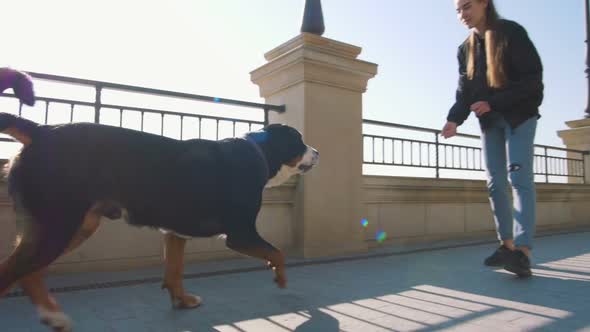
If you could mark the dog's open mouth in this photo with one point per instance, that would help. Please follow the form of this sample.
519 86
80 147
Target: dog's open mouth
304 167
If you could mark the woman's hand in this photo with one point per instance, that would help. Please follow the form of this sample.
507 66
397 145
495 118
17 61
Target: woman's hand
449 130
480 108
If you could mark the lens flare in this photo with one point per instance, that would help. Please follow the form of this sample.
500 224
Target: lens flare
364 223
381 236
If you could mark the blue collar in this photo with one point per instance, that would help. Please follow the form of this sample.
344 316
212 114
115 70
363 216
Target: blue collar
260 153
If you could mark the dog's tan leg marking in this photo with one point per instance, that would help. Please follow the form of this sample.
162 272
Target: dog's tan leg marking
49 311
174 256
17 267
88 228
34 281
35 288
27 235
275 259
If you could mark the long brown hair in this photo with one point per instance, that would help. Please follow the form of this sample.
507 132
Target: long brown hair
495 46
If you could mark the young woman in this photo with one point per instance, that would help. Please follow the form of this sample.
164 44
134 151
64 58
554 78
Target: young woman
500 80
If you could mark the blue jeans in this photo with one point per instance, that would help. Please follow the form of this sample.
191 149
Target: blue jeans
508 153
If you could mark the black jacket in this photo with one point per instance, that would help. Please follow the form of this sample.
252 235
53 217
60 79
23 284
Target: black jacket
521 96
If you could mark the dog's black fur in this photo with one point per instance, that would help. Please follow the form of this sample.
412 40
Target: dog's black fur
196 188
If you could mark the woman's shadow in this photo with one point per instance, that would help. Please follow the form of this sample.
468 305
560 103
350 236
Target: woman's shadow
319 322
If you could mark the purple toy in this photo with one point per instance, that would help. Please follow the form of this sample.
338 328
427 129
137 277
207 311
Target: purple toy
21 84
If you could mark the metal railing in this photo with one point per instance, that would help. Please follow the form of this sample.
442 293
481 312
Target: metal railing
99 106
430 153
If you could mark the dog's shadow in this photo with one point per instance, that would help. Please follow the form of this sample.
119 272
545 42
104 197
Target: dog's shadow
319 322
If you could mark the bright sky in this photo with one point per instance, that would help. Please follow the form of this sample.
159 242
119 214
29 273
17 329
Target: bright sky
209 47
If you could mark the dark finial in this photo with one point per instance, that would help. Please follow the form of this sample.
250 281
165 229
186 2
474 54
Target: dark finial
313 19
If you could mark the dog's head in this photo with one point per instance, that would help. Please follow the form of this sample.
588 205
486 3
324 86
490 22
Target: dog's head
21 84
285 152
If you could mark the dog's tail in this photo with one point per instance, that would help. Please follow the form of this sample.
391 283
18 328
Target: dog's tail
21 129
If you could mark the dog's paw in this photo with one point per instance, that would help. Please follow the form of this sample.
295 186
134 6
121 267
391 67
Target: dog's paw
187 301
56 320
278 268
281 282
280 277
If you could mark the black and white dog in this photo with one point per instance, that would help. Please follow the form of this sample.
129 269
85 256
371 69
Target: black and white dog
66 177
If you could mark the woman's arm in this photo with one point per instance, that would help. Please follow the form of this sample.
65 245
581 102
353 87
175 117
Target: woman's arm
459 112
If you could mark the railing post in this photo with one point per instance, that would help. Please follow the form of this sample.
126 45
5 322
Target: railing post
585 163
97 103
437 156
546 166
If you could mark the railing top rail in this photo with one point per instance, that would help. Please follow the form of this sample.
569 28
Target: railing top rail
167 93
55 100
139 109
408 127
437 131
171 113
401 126
561 149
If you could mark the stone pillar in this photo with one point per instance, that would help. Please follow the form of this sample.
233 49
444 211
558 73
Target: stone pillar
578 138
321 82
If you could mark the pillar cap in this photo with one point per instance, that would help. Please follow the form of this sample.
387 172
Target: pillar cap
578 123
323 44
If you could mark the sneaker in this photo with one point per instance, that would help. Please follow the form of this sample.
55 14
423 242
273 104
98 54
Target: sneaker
499 257
519 264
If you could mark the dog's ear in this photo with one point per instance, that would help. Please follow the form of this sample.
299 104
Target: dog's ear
23 88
